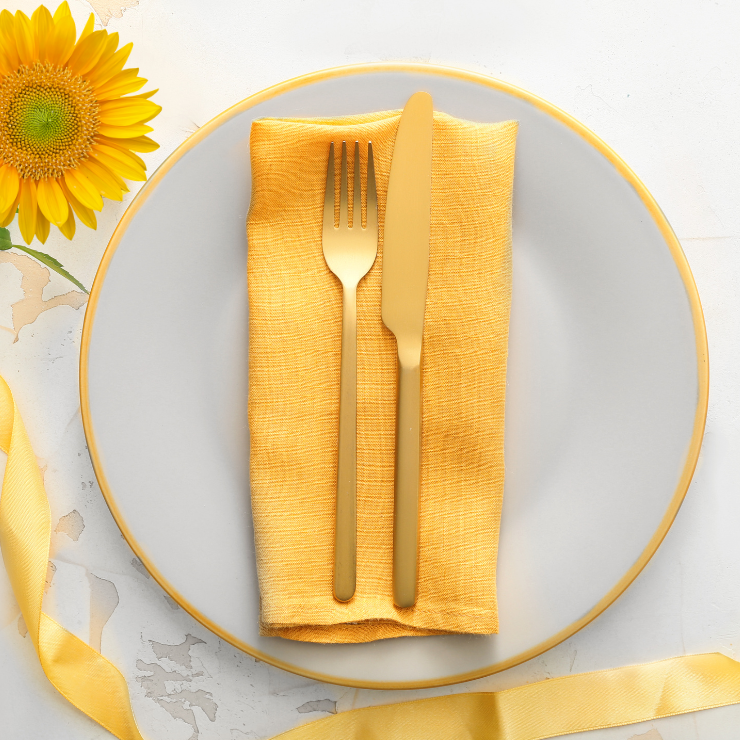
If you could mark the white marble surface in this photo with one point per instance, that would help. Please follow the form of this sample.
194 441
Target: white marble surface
658 80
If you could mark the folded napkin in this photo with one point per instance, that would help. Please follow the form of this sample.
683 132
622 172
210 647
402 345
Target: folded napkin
295 320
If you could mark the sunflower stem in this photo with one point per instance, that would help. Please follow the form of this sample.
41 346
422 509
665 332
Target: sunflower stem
50 262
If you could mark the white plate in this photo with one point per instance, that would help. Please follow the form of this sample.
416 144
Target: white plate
607 379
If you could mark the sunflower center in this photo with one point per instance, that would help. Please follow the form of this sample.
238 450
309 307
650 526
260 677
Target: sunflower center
48 120
43 120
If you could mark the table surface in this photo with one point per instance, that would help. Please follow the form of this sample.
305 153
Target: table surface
658 81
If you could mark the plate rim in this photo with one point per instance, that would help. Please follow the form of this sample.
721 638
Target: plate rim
622 168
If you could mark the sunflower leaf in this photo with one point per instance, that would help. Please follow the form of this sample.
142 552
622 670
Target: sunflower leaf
51 263
5 241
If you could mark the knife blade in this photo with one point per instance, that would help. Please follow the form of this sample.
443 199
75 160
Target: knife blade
403 299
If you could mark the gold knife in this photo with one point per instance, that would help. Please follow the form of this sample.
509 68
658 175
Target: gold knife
404 293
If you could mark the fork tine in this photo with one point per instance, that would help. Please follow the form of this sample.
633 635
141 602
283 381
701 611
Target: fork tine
372 197
343 217
357 191
329 194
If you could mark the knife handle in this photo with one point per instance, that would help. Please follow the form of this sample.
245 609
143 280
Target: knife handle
345 536
406 509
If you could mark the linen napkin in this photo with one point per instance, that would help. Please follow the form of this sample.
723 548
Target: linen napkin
295 321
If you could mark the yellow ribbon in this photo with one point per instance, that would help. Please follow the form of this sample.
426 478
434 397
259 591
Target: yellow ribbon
79 673
585 701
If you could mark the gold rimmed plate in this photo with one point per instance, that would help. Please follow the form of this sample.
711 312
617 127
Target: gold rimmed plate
606 399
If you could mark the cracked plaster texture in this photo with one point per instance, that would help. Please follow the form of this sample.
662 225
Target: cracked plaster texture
658 81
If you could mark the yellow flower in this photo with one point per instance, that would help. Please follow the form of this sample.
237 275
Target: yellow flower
68 137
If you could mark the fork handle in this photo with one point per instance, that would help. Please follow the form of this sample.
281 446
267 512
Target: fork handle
345 538
406 506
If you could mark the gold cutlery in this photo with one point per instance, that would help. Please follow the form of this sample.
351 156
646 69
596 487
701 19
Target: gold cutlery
404 291
349 252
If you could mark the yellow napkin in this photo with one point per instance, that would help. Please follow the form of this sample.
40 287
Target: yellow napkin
295 318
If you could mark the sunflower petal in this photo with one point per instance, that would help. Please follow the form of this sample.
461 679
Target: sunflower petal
101 178
120 84
5 66
121 162
110 172
119 180
126 111
68 227
43 25
83 190
9 184
9 61
42 227
123 169
123 76
27 210
7 38
88 29
24 40
105 70
138 144
61 40
111 44
52 202
144 95
124 132
85 214
62 11
123 88
128 153
9 214
87 52
123 103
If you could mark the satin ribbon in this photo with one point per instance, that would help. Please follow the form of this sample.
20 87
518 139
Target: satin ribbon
585 701
558 706
79 673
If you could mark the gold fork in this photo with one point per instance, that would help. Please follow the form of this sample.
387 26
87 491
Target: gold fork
349 252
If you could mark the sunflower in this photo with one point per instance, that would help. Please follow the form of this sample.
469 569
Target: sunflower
68 136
